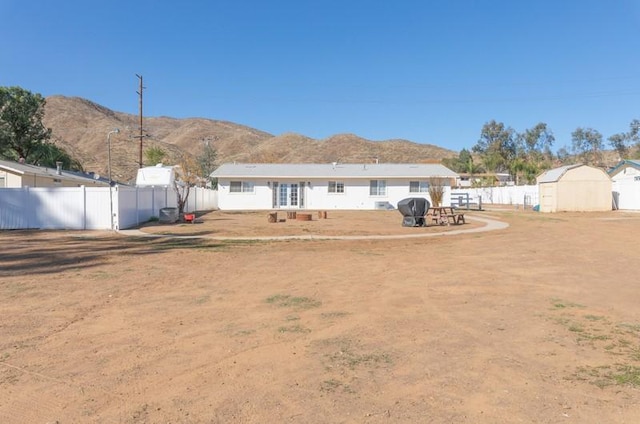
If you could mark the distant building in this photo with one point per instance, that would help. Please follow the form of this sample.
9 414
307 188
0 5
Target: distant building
626 184
17 175
485 179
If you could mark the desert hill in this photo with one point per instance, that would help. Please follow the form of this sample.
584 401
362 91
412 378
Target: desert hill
81 127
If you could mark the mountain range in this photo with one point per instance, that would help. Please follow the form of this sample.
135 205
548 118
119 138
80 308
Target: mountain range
82 128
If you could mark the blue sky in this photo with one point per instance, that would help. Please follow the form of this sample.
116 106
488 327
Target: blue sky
426 71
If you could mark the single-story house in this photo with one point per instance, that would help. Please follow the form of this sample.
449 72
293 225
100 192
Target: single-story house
327 186
574 188
17 175
626 184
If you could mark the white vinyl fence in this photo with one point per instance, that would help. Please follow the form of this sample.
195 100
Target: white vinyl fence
92 208
526 195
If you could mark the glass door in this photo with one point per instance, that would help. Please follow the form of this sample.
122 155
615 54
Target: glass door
289 195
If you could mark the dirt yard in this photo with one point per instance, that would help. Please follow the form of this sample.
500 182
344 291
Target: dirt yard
535 323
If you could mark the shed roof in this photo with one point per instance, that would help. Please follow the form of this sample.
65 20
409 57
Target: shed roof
554 175
333 170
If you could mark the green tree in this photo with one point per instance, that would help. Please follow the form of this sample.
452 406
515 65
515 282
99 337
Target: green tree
154 155
537 142
496 146
48 154
563 155
463 163
533 153
587 145
22 133
622 142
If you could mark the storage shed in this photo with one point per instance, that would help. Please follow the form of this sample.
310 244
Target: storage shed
626 185
574 188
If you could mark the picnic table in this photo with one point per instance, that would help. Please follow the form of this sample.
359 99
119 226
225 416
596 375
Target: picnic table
445 215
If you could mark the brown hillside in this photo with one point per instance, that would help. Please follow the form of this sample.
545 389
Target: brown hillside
81 127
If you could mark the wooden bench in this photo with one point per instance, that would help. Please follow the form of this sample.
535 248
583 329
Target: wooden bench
445 216
455 218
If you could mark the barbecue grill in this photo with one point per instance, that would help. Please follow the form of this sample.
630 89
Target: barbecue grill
413 211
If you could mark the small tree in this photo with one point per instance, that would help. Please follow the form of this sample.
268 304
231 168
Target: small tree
623 142
207 161
587 144
186 176
436 191
496 146
154 155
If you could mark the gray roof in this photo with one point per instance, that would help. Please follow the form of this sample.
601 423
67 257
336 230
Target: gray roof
623 164
553 175
330 170
26 169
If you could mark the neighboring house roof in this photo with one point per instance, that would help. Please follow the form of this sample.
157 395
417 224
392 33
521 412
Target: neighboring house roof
624 164
26 169
554 175
333 170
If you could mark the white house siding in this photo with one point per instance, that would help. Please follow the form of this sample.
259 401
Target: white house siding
316 194
357 195
12 180
626 188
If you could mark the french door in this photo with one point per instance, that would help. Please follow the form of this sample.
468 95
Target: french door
288 195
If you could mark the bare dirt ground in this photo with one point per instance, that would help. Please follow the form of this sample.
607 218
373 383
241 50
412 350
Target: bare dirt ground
535 323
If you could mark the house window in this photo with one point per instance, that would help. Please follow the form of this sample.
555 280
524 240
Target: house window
2 183
336 187
377 188
418 187
241 187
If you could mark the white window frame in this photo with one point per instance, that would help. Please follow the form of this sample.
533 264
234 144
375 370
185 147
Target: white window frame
377 188
240 187
418 186
335 187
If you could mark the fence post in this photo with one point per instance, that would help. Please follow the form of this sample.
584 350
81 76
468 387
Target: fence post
31 218
137 205
84 207
479 202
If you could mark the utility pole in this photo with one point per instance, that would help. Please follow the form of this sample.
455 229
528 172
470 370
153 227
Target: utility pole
140 108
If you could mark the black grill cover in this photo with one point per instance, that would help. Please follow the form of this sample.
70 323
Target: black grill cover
413 206
413 209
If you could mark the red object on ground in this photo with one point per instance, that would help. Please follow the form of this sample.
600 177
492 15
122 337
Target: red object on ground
190 217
